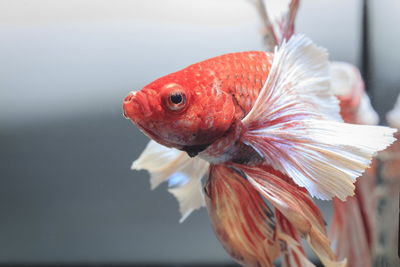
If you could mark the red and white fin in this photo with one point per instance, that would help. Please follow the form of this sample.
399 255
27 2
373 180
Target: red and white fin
279 20
297 207
350 237
292 252
353 239
295 124
348 85
241 219
282 14
294 257
183 172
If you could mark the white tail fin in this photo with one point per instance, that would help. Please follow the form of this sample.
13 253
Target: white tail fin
323 156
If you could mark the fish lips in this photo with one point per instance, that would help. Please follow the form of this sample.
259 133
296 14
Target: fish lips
136 106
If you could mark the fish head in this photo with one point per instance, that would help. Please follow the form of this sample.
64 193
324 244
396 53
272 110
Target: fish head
181 112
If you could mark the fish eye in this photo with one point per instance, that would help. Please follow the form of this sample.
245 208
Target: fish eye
176 100
173 97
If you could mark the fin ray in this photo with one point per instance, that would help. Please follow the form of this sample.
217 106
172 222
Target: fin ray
296 205
295 124
242 221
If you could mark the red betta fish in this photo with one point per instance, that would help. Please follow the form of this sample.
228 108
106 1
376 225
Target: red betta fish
260 127
354 239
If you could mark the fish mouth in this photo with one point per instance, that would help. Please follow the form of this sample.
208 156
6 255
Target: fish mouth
126 103
135 106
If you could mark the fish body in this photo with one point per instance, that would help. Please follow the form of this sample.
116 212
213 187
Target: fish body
256 125
217 92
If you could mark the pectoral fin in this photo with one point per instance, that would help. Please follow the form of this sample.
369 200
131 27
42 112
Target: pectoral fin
184 173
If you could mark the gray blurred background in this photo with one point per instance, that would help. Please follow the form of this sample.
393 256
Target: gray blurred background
67 194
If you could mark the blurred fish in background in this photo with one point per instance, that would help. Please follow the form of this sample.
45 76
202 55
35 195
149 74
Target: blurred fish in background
354 238
386 250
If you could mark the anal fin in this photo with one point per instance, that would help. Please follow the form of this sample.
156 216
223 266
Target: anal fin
242 221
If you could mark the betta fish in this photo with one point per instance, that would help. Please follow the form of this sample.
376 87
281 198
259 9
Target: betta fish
354 239
387 249
264 131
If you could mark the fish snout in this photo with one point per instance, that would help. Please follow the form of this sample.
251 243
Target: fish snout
131 107
129 97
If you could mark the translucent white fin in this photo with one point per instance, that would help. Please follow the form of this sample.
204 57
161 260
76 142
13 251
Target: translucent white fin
325 157
348 85
366 113
345 78
298 85
295 124
393 117
165 163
